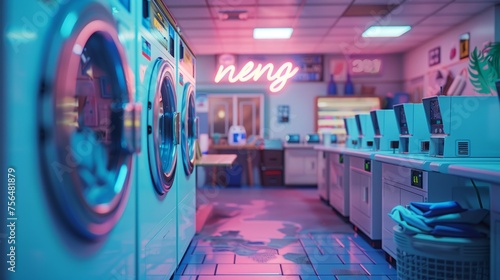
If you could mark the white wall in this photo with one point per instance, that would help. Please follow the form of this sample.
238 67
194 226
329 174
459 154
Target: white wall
416 69
300 96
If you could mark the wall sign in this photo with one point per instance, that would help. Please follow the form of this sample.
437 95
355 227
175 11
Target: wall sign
366 66
251 71
277 69
310 68
356 67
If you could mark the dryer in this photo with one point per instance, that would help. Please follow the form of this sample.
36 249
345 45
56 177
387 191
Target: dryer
70 138
186 181
157 164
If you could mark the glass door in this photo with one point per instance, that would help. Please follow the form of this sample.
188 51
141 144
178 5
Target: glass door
235 109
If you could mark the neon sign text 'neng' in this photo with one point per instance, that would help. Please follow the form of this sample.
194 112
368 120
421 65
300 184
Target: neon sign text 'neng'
247 73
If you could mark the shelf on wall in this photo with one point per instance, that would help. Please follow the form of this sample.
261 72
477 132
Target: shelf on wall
330 112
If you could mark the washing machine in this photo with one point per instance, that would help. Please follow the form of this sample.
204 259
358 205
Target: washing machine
70 137
186 181
157 163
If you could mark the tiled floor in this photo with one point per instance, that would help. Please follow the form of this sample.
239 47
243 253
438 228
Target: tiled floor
272 234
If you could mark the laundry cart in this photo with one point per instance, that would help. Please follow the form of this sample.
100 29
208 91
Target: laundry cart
424 256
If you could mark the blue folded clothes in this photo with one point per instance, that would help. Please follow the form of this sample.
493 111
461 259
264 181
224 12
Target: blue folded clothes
457 231
428 209
471 216
454 222
409 224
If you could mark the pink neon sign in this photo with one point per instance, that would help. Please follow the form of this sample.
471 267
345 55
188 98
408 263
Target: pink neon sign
248 72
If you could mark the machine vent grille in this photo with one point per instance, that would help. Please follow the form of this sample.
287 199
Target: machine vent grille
463 148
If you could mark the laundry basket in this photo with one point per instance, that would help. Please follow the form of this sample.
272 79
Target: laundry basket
424 256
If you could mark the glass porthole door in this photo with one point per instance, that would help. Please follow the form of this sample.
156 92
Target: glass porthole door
89 124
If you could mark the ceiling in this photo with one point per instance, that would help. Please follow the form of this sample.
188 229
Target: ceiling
320 26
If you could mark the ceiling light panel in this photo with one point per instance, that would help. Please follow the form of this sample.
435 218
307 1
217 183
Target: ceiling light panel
385 31
272 33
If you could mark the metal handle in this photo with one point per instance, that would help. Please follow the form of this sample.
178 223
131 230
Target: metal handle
132 127
177 128
138 127
196 127
365 194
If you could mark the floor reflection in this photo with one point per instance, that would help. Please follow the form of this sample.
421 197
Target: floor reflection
278 234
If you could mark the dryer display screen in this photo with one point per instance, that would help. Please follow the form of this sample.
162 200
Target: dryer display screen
403 124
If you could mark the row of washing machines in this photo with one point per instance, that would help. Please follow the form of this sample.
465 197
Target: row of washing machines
445 148
98 151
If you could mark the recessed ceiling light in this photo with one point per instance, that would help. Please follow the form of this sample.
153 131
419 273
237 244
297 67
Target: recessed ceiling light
272 33
233 15
386 31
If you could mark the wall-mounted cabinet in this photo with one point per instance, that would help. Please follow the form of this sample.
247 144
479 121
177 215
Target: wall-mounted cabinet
330 112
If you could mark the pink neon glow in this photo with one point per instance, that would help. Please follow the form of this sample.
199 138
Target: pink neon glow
248 72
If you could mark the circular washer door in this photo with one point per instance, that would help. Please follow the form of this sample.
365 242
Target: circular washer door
162 107
88 124
188 128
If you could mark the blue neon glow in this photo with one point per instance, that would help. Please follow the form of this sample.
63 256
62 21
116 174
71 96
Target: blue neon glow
68 24
120 180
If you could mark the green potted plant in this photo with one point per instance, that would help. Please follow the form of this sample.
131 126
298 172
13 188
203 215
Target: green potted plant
484 68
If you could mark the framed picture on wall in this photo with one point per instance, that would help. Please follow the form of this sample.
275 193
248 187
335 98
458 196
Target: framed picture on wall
283 113
464 45
338 68
435 56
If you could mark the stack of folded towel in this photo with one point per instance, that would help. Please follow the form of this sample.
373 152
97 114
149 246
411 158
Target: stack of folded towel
442 219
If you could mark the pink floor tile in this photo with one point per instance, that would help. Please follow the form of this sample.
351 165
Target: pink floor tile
246 277
219 259
297 269
199 269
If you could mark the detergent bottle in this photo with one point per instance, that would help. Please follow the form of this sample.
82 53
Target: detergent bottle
237 135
